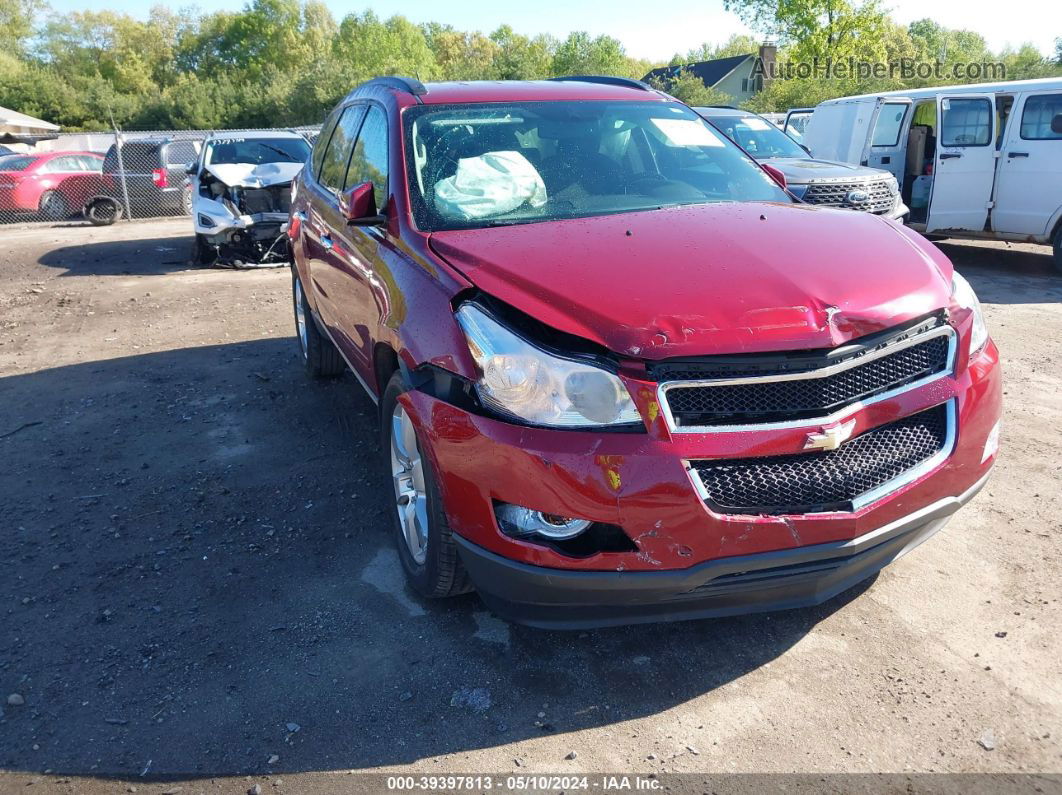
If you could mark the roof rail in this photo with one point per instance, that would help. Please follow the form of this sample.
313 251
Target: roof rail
408 84
607 80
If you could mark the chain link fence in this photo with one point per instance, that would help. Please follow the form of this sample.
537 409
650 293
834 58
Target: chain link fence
105 177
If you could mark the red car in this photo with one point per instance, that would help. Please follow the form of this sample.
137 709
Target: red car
622 374
54 185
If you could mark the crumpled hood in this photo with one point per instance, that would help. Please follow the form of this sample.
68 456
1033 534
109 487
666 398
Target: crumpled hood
249 175
704 279
799 170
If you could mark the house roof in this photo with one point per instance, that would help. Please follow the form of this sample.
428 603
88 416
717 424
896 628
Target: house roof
11 121
710 72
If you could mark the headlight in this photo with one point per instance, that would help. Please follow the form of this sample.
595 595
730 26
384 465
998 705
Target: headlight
523 381
965 297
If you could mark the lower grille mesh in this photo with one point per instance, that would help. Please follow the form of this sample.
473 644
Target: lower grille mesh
824 481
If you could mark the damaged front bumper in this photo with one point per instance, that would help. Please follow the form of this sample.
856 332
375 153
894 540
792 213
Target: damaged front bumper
683 559
776 580
255 240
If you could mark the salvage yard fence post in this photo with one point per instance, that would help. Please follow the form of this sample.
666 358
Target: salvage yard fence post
121 173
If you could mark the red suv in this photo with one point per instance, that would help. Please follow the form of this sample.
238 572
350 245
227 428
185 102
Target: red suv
622 374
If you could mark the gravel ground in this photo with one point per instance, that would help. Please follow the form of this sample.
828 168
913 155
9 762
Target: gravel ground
198 584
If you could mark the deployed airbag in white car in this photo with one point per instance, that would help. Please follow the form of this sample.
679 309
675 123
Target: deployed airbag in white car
493 183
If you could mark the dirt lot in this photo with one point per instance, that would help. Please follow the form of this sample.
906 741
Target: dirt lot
197 582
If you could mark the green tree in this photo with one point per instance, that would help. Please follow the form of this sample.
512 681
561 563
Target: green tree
1027 63
737 44
817 28
581 55
687 87
522 58
16 24
370 47
461 56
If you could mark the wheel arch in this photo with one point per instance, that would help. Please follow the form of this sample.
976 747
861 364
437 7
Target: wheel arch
384 365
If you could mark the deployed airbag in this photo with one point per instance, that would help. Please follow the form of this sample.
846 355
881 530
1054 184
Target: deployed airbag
491 184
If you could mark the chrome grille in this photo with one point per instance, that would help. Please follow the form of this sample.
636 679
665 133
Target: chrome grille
838 480
769 400
880 198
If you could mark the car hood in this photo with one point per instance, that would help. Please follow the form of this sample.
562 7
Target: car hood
249 175
799 170
704 279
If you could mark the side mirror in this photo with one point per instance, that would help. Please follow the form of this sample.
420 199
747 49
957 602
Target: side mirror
190 168
1056 124
359 206
774 174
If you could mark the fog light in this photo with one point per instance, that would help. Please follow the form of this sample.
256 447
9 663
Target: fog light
206 221
518 521
991 443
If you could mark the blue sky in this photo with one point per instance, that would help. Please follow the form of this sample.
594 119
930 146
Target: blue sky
658 31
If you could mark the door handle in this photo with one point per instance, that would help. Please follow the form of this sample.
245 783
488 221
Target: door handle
1017 154
950 155
326 242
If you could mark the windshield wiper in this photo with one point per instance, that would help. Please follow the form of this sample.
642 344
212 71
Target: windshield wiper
511 221
288 155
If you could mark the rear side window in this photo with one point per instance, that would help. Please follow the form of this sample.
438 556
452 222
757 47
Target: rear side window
62 165
966 122
369 162
890 120
90 163
1037 116
337 154
181 153
136 157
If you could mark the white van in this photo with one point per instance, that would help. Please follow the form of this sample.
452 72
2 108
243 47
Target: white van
977 161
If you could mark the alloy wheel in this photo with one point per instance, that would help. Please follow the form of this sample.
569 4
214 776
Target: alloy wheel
300 321
411 496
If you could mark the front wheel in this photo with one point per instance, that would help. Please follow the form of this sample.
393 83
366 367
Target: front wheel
422 534
203 253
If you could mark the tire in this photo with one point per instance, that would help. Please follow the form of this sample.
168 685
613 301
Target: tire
434 570
186 200
319 356
203 254
103 211
53 206
1058 250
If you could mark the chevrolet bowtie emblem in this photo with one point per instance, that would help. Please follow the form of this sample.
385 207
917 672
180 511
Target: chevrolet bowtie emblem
830 438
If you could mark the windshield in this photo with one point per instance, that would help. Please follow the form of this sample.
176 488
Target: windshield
757 136
16 162
495 164
257 151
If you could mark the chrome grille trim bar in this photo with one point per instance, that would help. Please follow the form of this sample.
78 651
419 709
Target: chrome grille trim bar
666 386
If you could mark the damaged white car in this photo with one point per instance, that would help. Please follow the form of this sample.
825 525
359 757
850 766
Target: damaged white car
241 194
